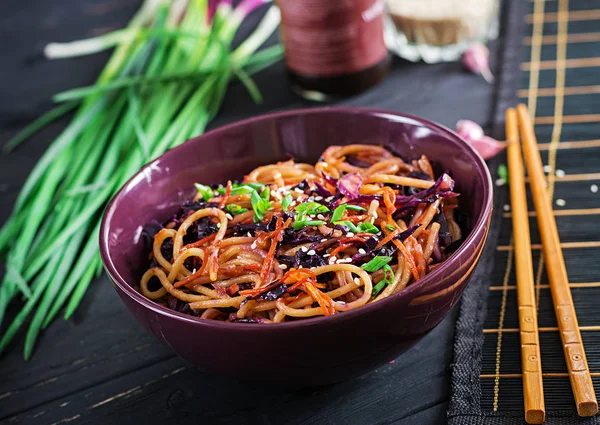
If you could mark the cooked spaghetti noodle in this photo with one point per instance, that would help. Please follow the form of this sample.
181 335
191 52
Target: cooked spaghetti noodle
295 240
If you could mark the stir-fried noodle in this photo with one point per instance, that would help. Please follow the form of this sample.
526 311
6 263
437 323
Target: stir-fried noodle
295 240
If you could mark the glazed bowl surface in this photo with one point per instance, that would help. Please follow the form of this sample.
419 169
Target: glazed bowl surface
313 351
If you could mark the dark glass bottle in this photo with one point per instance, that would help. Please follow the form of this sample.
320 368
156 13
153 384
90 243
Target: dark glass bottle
333 48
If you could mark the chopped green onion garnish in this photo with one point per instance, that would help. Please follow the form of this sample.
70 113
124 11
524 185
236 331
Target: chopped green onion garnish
300 224
350 225
368 227
354 207
287 200
235 209
503 172
376 263
390 227
241 190
265 193
255 186
260 203
338 213
206 192
311 208
388 278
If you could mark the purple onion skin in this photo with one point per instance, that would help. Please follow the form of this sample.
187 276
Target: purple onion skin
322 191
350 184
329 179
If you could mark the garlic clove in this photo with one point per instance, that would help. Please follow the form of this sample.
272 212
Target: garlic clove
473 134
487 147
468 129
477 60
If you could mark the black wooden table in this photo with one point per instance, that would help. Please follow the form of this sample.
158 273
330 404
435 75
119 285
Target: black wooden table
101 367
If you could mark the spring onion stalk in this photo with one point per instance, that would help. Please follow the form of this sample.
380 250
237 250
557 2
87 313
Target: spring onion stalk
163 84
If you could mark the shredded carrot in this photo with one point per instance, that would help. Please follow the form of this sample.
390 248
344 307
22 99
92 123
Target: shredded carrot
276 236
340 248
198 243
194 275
323 300
354 218
409 259
239 269
298 284
232 289
390 236
353 239
226 196
389 199
294 275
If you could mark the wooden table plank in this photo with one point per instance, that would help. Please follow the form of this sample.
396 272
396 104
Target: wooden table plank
173 390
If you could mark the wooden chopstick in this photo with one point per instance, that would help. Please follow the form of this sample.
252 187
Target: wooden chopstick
531 365
579 373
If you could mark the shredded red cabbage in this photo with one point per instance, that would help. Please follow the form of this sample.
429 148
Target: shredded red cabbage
350 184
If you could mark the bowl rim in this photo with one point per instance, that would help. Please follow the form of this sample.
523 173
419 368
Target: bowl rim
479 226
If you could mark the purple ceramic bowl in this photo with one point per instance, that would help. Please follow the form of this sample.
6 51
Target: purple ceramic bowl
314 351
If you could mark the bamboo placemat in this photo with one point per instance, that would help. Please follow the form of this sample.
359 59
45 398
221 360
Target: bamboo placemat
559 48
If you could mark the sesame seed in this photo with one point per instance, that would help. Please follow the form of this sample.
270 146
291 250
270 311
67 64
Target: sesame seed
300 267
362 251
311 198
253 246
298 190
560 173
304 249
561 202
506 207
594 188
218 225
547 168
194 271
318 198
283 266
332 260
326 255
324 240
311 252
229 217
249 234
357 281
500 182
329 198
349 234
320 216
